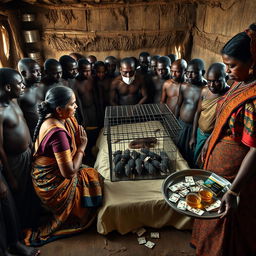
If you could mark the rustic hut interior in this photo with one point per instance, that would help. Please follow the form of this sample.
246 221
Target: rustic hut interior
115 102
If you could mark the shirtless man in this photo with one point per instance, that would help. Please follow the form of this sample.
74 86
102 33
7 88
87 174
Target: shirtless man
171 88
33 94
87 102
103 84
15 143
69 69
187 105
111 65
205 116
163 74
128 88
53 74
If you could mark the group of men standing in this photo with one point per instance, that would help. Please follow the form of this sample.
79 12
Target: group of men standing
97 84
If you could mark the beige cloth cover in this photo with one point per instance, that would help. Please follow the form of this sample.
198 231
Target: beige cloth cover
129 205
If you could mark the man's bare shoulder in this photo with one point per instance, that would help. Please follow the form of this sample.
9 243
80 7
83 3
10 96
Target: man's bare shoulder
205 90
116 81
185 85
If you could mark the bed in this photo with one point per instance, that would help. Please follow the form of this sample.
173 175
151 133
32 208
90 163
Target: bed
129 205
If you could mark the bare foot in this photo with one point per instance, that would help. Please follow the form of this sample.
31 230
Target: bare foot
21 249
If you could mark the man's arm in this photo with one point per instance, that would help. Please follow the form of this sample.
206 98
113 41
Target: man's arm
113 95
164 94
192 141
180 100
144 92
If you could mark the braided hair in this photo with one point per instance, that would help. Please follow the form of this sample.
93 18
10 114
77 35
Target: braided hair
239 47
58 96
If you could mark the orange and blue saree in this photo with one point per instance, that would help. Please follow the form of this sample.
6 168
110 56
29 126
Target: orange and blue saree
233 135
72 202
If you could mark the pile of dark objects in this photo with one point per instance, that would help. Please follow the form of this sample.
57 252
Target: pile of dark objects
140 163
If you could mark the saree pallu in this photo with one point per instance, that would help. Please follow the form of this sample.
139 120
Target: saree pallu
233 135
72 202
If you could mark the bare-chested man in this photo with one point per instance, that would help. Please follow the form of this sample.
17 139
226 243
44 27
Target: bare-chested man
33 94
69 70
187 105
171 88
205 115
128 88
53 74
111 65
102 83
15 144
86 94
163 74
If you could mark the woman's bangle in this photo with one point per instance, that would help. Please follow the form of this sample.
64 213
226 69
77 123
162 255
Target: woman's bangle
80 151
232 193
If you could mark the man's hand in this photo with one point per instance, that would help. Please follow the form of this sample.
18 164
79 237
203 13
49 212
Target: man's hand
3 189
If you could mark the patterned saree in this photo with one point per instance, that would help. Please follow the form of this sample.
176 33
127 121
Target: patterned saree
232 137
72 202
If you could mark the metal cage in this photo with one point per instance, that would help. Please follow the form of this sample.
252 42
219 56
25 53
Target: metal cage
150 130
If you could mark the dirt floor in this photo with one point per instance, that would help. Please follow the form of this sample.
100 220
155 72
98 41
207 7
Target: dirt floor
172 242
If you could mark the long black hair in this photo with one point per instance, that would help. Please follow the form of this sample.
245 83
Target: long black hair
239 47
58 96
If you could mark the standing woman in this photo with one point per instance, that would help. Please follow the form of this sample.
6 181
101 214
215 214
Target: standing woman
231 153
70 192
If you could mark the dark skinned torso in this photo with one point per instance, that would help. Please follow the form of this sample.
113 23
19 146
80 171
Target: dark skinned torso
15 130
158 85
128 94
28 103
191 95
172 90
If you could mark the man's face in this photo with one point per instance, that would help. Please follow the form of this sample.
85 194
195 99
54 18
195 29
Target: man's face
71 70
33 74
85 70
193 74
162 70
16 86
144 62
153 66
127 70
177 72
111 66
54 73
216 82
101 72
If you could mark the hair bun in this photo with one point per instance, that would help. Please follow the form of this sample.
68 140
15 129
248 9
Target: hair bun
253 27
43 108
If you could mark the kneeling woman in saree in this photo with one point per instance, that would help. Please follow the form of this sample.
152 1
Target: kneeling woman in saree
231 153
69 191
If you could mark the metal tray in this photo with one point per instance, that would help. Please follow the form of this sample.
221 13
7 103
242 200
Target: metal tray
179 176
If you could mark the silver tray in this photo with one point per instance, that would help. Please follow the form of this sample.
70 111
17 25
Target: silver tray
179 176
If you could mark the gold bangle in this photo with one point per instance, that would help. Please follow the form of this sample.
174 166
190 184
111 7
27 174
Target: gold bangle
233 193
80 151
